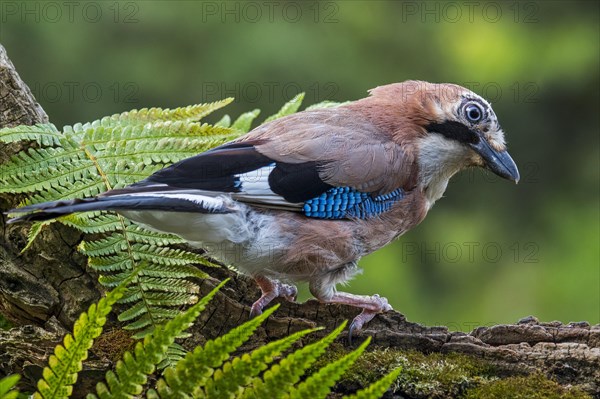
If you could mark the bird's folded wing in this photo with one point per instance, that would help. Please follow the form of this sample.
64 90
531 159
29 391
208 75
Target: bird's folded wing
310 160
347 149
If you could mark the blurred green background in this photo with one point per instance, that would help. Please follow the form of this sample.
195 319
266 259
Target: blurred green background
489 252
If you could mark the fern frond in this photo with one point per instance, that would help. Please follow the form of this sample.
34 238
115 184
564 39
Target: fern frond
319 384
93 222
46 134
7 387
132 372
198 366
110 245
35 229
174 354
378 388
63 366
168 285
167 256
174 299
57 176
326 104
37 160
190 113
149 240
288 108
139 234
115 263
225 121
244 121
173 271
229 380
97 136
68 190
280 378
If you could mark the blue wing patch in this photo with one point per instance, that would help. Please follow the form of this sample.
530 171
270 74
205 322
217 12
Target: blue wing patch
346 202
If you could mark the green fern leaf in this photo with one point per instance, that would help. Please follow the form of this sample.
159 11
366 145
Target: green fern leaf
34 231
225 121
133 370
244 121
145 236
85 187
229 380
93 222
45 134
167 256
326 104
37 160
173 271
319 384
63 366
190 113
173 299
288 108
7 387
378 388
105 246
168 285
280 378
174 354
111 263
192 371
59 175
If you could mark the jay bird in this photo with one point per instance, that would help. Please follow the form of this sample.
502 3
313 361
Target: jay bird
304 197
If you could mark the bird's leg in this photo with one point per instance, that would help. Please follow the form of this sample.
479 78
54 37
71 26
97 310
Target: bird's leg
370 305
271 289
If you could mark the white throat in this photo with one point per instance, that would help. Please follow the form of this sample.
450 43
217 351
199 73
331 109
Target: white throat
439 159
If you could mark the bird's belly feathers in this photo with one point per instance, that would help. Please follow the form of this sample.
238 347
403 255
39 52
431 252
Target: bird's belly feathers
249 240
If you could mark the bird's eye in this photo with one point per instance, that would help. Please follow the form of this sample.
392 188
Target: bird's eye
474 112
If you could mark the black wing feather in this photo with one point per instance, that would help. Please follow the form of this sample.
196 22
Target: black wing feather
214 170
219 169
297 182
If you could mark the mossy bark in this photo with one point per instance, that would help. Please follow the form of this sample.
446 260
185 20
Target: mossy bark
43 291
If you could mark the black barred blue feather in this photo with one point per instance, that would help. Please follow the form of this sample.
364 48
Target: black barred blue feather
346 202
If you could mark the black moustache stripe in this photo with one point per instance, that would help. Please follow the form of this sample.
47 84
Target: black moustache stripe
454 131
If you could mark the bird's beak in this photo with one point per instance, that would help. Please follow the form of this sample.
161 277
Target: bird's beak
499 162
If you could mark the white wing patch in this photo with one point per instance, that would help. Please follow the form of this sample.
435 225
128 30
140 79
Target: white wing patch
257 181
254 189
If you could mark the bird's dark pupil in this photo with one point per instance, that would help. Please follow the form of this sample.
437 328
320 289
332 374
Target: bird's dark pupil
474 113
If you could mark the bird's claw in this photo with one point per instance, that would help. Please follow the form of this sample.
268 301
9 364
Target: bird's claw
380 304
287 291
255 310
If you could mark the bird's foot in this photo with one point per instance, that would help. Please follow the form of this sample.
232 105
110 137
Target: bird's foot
377 304
272 289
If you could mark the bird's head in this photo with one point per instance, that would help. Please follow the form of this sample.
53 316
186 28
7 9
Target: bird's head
450 127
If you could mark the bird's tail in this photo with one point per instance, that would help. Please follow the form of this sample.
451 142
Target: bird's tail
148 201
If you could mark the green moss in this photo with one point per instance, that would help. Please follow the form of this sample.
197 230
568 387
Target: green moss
4 323
533 386
443 376
433 375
